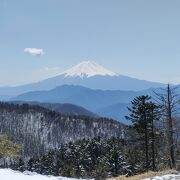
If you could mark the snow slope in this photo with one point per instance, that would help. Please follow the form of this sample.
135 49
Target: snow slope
166 177
88 69
8 174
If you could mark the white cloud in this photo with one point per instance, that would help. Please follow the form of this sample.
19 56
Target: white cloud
34 51
47 72
51 69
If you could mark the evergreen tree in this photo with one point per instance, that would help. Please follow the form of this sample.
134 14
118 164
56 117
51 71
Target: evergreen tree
141 122
154 116
115 160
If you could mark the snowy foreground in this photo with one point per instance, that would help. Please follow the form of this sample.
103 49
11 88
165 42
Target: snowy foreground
166 177
8 174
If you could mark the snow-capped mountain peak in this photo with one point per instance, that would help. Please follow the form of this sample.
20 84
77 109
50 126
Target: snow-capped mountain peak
88 69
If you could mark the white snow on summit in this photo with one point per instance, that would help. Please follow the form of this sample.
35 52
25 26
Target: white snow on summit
88 69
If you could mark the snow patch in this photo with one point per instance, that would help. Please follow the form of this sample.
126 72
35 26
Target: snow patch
88 69
8 174
166 177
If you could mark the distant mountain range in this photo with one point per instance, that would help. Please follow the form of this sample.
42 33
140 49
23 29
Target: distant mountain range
116 111
88 74
82 96
66 109
106 103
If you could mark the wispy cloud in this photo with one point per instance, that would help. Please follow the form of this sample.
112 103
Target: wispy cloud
34 51
50 69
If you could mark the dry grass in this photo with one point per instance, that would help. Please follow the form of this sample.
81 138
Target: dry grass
145 175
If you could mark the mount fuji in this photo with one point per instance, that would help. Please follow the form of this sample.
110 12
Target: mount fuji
88 74
87 69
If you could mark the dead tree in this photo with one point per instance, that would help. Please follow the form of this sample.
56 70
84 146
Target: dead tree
169 102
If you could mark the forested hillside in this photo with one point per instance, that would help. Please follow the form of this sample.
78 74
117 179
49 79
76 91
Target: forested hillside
38 130
64 108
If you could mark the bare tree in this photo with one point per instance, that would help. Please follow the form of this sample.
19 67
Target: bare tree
169 101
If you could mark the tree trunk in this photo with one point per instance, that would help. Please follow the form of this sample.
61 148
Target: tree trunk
147 152
170 132
153 146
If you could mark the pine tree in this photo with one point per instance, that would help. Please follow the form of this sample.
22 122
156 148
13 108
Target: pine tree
115 160
154 116
139 117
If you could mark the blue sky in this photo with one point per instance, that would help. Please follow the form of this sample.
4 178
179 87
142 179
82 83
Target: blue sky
137 38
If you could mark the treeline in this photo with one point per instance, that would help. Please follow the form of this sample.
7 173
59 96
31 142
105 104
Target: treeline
95 158
25 107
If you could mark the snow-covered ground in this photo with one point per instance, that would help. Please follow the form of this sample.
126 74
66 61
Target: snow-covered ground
8 174
166 177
